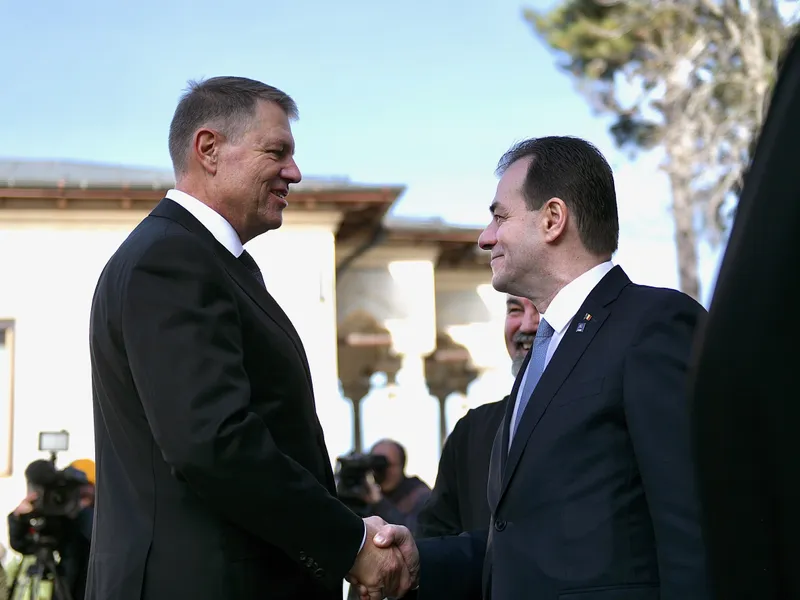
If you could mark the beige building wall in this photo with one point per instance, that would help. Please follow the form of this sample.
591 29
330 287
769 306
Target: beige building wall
49 265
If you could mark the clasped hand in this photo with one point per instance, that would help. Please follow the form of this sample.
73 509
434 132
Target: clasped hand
388 564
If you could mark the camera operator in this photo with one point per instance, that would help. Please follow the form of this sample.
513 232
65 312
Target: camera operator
71 533
394 496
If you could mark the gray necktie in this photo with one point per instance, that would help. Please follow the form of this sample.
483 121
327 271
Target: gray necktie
535 369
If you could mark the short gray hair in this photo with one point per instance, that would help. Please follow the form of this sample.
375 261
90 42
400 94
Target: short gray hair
227 103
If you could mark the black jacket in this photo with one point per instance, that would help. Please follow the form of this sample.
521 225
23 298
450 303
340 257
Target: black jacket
458 502
595 498
213 479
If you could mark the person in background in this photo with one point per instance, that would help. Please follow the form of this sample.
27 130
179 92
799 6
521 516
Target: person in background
74 531
393 495
458 501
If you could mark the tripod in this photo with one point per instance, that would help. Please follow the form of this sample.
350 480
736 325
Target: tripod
44 569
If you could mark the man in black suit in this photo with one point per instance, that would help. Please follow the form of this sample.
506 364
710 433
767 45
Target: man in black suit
746 414
591 483
458 502
213 476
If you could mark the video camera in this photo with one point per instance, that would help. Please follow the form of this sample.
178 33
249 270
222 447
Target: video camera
351 478
58 491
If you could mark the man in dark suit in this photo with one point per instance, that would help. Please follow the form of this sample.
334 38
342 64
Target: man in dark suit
213 476
458 502
591 483
746 414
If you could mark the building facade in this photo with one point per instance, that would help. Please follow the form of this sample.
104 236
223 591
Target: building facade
401 325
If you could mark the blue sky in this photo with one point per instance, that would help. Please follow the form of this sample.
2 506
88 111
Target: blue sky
426 94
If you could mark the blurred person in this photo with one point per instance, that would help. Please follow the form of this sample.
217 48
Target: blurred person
73 532
458 501
214 478
393 495
746 417
592 485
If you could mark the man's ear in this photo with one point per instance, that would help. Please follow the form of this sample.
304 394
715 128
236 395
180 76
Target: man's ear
206 149
554 219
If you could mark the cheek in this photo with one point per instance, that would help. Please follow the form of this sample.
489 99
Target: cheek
511 329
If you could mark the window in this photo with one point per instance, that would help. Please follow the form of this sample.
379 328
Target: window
6 395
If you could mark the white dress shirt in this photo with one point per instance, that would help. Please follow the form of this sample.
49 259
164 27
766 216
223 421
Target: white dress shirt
216 224
559 314
224 233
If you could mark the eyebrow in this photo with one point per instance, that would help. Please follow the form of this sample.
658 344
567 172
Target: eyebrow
516 303
285 145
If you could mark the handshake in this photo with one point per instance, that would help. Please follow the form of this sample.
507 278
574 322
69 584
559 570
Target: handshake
388 564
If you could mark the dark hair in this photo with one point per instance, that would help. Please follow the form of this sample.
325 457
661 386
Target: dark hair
575 171
226 102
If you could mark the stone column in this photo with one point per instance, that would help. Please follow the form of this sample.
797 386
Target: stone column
448 371
364 350
472 313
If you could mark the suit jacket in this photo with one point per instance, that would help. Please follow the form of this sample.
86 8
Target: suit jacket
458 502
595 499
213 477
746 415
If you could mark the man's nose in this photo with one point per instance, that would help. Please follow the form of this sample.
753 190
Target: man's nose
487 239
291 173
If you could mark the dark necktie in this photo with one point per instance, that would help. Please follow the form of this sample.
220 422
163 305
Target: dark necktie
535 369
252 266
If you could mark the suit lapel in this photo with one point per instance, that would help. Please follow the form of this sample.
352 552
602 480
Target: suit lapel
579 334
238 272
245 280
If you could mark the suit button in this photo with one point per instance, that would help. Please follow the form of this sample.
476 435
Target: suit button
319 573
302 556
499 525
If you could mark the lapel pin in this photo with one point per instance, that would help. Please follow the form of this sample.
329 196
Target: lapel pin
587 317
580 327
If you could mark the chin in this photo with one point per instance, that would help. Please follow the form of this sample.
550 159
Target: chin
500 282
272 220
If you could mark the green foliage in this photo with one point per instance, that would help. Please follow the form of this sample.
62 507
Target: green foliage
603 42
688 76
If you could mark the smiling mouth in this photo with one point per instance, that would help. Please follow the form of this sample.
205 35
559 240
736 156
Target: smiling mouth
525 346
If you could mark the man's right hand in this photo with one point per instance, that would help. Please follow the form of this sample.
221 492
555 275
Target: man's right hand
26 506
383 570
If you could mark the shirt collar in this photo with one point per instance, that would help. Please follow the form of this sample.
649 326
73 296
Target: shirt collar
216 224
569 299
